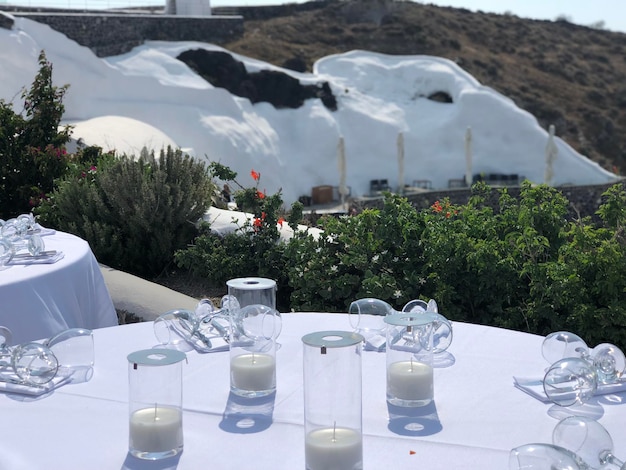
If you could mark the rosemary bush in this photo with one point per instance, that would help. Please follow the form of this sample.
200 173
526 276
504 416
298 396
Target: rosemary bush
134 213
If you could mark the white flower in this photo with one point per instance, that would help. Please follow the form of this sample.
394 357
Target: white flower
396 259
375 257
397 294
334 268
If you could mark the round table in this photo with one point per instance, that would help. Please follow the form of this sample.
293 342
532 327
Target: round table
41 300
477 416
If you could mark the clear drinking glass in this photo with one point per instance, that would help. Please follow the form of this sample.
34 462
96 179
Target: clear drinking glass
333 400
34 363
253 333
588 439
155 403
442 335
74 350
570 381
367 317
544 457
409 351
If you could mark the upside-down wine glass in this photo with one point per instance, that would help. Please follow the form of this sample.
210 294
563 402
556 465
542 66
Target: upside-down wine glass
608 360
545 457
32 363
74 350
442 337
588 439
366 317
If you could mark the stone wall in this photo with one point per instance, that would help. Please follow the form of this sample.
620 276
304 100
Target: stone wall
108 34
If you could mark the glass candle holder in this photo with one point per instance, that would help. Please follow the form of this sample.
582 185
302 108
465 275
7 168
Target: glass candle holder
409 352
253 291
253 350
333 400
155 403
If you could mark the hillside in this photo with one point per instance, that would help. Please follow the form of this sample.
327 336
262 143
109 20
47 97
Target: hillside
568 75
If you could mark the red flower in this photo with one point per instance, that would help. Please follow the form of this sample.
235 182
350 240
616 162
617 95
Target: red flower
260 195
255 175
281 220
257 223
437 207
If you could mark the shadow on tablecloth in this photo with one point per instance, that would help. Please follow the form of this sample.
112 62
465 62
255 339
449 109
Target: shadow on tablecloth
248 415
417 421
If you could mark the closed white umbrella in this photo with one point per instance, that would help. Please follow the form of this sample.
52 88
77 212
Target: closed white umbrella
400 163
468 156
551 153
341 160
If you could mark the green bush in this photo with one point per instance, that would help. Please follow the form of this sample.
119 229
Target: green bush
522 265
134 213
32 149
254 249
378 253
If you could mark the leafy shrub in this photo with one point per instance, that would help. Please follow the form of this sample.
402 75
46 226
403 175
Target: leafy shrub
521 266
377 253
254 249
134 213
32 149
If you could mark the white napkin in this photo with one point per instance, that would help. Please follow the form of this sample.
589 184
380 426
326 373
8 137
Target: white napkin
10 383
38 259
534 387
374 341
42 231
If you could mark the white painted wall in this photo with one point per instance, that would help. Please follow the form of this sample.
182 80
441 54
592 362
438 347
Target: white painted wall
188 7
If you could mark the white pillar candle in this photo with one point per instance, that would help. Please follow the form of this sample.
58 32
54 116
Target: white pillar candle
334 448
156 429
253 372
410 380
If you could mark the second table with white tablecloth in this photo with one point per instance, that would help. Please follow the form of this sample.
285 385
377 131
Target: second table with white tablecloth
39 300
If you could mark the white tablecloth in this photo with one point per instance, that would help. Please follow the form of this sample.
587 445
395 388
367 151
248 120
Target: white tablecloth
40 300
477 418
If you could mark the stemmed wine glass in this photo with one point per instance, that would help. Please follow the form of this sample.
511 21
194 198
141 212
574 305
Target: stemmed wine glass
607 359
570 381
588 439
442 337
545 457
576 372
366 317
18 234
31 364
74 350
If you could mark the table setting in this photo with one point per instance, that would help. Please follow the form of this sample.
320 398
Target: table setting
50 281
22 241
240 384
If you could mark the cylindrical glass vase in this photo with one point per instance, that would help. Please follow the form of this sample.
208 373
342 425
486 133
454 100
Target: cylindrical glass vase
155 403
409 351
333 401
253 291
253 350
